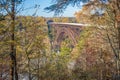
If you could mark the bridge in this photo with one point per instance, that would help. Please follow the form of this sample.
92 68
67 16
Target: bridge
59 31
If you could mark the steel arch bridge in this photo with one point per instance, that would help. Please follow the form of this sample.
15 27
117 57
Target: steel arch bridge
58 31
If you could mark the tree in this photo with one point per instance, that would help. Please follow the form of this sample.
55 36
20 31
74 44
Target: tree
111 7
32 47
10 7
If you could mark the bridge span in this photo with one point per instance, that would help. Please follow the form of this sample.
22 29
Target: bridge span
58 31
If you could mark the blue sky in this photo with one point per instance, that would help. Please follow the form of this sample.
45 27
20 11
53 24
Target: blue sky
69 12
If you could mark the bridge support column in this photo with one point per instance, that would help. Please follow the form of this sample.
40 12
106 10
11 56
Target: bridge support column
50 35
57 48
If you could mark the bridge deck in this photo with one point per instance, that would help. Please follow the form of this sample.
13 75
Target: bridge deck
70 24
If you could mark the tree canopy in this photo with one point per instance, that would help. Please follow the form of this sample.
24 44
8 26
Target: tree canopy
60 5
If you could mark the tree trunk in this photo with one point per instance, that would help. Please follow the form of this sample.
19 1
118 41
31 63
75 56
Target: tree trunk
29 71
118 55
14 75
38 67
117 25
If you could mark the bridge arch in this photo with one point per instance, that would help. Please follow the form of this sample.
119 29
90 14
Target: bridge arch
62 33
63 30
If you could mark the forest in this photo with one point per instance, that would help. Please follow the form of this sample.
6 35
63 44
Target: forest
25 47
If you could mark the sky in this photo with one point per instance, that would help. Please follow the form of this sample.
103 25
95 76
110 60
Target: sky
69 12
